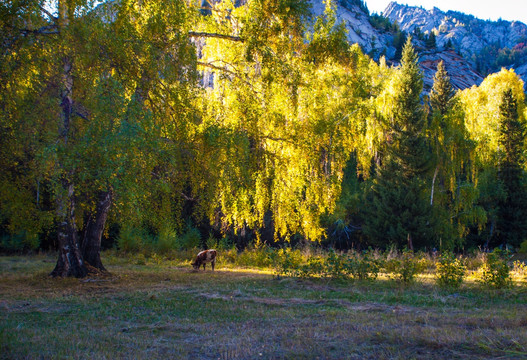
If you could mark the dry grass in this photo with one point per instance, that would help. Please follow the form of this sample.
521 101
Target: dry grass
167 311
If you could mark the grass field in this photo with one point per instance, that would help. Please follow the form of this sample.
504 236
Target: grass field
166 311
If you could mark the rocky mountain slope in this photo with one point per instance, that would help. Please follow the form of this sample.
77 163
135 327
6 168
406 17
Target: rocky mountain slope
468 34
485 46
360 30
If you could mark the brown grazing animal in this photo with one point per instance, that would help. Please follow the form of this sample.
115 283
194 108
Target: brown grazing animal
203 258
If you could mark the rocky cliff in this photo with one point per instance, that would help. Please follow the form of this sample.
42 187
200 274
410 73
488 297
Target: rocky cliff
468 34
360 30
484 46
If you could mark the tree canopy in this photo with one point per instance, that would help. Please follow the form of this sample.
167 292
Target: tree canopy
172 124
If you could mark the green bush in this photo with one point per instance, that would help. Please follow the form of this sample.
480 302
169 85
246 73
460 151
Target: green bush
131 239
334 265
450 271
190 239
21 241
523 247
285 261
404 266
495 272
365 266
167 240
258 257
314 267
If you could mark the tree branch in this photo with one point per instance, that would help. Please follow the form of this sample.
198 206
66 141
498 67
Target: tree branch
214 35
55 19
45 30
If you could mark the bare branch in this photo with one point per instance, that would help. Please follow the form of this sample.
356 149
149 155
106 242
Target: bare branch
55 19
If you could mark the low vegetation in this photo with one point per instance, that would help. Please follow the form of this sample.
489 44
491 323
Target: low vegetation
302 303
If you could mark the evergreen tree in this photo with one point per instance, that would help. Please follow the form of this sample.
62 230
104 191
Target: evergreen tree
398 212
431 41
442 91
512 222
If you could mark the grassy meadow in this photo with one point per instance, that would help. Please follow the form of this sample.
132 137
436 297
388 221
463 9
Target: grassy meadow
161 309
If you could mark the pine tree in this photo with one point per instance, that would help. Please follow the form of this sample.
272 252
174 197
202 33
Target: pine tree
442 91
398 212
410 148
431 41
512 222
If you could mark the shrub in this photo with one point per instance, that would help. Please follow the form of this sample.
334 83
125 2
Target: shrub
450 271
131 239
140 259
365 266
258 257
495 272
314 267
285 261
212 242
190 239
226 243
404 266
334 265
523 247
167 240
21 241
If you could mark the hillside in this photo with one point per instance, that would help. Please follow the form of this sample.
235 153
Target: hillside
485 45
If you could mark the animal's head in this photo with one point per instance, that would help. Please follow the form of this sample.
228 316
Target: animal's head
195 264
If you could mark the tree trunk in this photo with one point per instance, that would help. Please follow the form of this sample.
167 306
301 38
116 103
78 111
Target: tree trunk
410 243
433 185
70 261
91 245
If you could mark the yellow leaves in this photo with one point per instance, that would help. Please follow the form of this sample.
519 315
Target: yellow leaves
481 106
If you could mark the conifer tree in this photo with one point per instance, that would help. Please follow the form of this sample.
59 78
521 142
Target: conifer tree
512 223
431 41
442 91
398 212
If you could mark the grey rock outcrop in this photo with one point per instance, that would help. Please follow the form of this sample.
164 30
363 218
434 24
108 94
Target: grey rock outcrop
461 73
478 41
360 30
